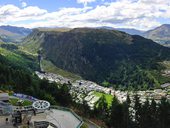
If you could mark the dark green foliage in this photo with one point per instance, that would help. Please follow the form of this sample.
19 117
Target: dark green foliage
164 113
137 110
101 108
9 46
138 115
145 115
127 115
17 78
100 55
11 75
55 93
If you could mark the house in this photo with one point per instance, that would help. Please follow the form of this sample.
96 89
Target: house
4 97
166 85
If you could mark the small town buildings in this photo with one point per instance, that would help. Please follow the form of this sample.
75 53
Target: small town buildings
4 97
166 85
5 107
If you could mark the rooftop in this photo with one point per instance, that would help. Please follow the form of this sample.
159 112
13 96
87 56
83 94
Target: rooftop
51 116
55 117
60 118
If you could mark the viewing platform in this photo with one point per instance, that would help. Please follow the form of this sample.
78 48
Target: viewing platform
39 115
54 117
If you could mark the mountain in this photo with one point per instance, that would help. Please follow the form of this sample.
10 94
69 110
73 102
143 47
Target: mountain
1 40
13 34
16 68
160 34
131 31
17 75
102 55
18 58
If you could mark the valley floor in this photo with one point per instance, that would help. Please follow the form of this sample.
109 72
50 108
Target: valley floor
91 92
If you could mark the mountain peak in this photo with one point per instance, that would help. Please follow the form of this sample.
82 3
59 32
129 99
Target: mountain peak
165 25
160 34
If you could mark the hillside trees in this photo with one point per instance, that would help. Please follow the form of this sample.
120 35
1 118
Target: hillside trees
134 114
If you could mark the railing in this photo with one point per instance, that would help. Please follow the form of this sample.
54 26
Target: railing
92 123
65 109
23 96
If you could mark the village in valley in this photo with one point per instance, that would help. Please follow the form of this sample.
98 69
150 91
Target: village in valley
91 92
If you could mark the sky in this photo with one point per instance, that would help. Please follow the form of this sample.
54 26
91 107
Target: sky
137 14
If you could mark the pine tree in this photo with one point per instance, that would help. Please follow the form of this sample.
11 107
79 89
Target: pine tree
164 113
145 116
137 109
102 107
116 116
154 114
127 117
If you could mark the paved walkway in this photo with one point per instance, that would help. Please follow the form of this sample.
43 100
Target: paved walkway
4 124
62 119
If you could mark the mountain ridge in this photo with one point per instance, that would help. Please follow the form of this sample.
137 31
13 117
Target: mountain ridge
101 54
160 34
13 34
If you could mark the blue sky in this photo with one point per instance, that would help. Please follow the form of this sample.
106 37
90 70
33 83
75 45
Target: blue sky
51 5
138 14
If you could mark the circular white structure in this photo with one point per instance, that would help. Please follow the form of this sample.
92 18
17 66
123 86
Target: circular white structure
41 104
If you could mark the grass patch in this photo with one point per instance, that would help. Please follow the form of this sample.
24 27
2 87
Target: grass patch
108 97
19 58
31 46
84 126
27 103
50 67
14 101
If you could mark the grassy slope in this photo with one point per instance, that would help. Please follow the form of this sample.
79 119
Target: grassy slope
11 55
50 67
20 58
32 47
107 96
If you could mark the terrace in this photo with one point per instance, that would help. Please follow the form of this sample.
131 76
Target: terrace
40 115
55 117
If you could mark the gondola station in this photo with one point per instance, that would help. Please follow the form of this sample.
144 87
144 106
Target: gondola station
38 115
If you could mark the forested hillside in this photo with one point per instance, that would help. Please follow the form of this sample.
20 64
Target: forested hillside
103 55
17 74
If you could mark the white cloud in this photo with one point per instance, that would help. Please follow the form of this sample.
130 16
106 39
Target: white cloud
85 1
23 4
140 14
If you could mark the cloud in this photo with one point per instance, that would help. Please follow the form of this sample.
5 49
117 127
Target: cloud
23 4
85 1
139 14
11 13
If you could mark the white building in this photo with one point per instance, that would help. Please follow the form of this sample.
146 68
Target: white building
4 97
